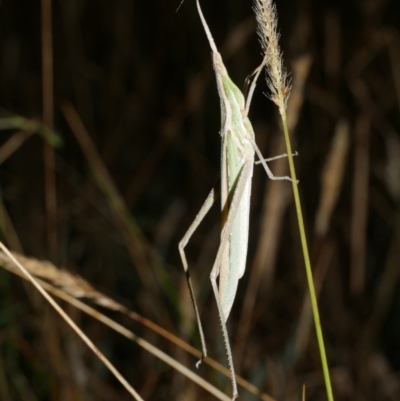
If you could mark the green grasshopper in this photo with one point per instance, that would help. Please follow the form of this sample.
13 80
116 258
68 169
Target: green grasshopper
237 161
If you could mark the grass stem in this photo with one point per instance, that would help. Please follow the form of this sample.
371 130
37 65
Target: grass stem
306 256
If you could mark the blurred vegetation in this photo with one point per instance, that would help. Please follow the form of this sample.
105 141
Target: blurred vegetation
104 179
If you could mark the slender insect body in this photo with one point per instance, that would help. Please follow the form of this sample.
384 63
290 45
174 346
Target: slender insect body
237 158
237 246
236 152
237 162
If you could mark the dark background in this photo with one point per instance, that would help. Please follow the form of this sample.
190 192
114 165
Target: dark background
136 78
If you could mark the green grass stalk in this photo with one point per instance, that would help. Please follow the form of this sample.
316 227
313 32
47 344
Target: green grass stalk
307 263
279 86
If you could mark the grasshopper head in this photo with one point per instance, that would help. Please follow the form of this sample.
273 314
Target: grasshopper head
219 65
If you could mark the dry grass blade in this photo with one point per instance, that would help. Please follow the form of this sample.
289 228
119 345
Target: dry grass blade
360 206
13 144
332 176
48 111
7 226
69 287
77 330
394 53
143 255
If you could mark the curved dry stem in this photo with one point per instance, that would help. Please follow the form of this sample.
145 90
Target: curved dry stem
72 324
70 287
